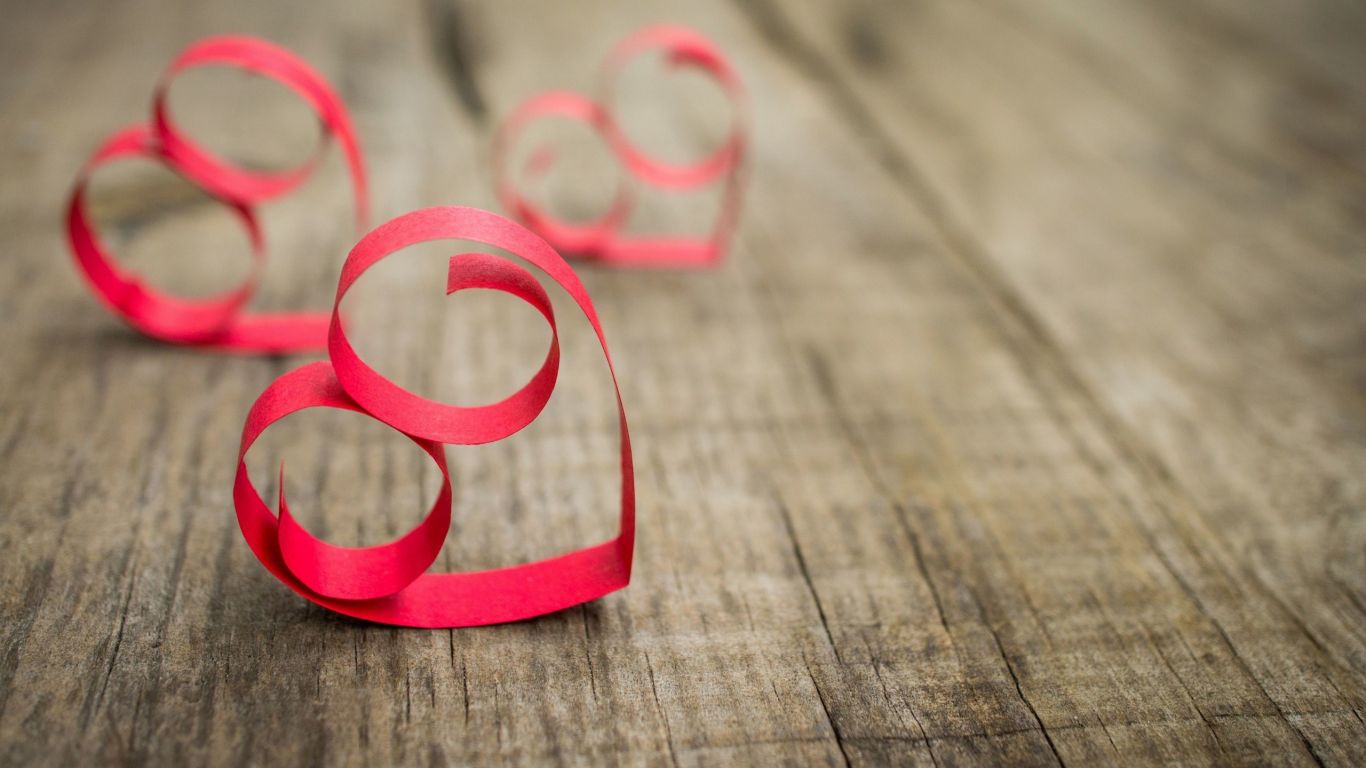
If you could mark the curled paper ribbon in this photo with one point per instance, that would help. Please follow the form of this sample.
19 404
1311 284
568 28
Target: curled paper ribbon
602 239
388 583
216 322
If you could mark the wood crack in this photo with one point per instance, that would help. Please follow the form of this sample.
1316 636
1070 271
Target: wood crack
452 40
663 716
825 707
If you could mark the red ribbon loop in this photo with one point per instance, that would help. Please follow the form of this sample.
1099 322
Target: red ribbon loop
217 322
388 583
602 239
417 415
219 177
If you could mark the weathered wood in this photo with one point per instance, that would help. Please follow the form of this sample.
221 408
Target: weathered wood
1193 355
1024 424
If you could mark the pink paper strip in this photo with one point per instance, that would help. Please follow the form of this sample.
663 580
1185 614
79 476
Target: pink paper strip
217 322
603 239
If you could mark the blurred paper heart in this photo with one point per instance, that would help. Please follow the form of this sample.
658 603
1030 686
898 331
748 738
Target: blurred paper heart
604 238
218 322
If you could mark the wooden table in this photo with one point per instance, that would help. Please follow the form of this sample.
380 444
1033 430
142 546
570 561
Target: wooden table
1024 424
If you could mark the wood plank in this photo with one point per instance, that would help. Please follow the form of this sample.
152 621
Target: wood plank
1226 414
901 501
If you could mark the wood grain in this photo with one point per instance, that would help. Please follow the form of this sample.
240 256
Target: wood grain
1024 424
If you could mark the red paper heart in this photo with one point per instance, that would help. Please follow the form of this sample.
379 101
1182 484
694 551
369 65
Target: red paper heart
388 583
602 239
217 322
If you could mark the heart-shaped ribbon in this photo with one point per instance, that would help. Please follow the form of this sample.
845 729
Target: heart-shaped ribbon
603 239
388 583
216 322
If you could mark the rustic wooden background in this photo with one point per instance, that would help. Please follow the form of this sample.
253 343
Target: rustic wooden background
1024 425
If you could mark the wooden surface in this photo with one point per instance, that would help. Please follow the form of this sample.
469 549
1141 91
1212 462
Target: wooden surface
1024 425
